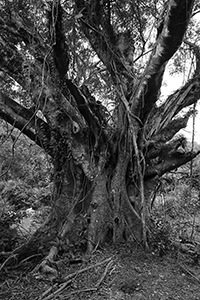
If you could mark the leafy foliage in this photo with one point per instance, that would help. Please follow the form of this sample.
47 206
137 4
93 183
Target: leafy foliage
25 183
9 236
177 207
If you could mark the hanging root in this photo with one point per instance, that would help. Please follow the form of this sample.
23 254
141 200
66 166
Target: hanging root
143 204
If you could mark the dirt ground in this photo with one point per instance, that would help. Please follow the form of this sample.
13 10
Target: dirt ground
125 272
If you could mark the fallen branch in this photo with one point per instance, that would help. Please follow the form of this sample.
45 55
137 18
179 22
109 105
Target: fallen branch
104 274
46 292
52 295
87 268
188 272
68 279
27 258
79 291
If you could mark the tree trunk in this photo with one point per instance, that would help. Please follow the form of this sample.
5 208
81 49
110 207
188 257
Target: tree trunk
106 165
91 211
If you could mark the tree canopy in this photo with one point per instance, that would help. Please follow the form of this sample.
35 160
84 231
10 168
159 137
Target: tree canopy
51 49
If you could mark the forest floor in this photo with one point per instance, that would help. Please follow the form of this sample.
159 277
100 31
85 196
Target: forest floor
125 272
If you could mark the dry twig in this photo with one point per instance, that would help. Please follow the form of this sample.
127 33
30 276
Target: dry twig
68 279
188 272
12 256
104 274
78 292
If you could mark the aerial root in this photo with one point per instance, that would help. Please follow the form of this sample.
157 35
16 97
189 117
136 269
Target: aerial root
56 289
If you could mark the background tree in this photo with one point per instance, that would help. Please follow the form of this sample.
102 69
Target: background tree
82 79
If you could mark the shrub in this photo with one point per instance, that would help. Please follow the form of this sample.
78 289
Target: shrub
9 236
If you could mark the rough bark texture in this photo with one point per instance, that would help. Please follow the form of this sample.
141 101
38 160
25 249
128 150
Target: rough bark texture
104 172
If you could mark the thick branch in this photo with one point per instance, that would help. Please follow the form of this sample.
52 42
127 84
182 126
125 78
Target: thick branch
60 47
26 121
165 134
85 111
186 96
168 42
189 94
162 150
169 164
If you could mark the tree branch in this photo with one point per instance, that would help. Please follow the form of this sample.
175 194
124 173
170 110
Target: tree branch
86 112
166 133
182 98
168 42
60 48
162 150
185 96
26 121
172 163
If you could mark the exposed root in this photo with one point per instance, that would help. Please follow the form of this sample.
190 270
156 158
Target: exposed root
46 265
67 226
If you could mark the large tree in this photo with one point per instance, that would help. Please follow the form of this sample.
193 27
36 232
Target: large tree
82 79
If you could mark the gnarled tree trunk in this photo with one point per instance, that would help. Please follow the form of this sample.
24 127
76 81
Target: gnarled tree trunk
106 166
